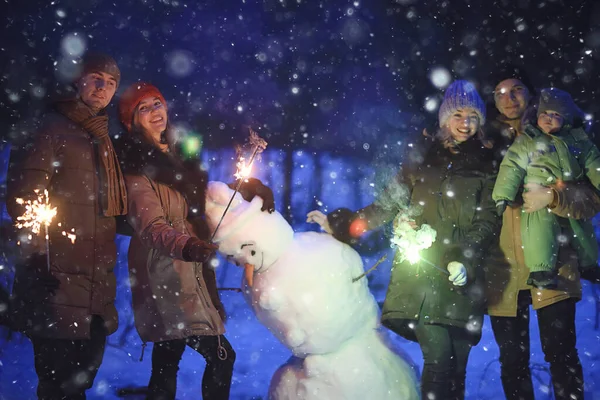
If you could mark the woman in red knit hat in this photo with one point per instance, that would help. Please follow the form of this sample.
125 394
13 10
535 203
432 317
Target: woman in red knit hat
174 292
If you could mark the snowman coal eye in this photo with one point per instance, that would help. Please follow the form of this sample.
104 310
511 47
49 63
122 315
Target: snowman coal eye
253 253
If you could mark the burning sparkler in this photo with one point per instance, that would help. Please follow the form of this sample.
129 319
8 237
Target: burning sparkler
410 240
243 170
39 212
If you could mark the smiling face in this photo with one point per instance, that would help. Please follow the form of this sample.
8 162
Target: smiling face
463 124
150 118
550 121
511 97
97 89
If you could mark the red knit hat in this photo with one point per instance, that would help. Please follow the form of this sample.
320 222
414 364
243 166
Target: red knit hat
131 98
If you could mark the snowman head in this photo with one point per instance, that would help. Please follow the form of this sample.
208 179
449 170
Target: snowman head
247 235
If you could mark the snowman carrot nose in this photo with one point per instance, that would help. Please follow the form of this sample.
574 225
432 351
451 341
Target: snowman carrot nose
249 273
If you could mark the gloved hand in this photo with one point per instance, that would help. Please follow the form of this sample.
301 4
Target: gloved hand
501 207
537 197
458 273
198 250
254 187
43 278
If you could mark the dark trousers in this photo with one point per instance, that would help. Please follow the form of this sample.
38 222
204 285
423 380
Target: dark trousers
216 381
558 337
445 353
67 368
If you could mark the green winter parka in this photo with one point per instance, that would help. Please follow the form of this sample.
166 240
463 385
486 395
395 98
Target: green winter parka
535 157
455 192
544 159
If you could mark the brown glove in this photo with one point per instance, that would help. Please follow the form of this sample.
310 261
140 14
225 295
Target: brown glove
198 250
254 187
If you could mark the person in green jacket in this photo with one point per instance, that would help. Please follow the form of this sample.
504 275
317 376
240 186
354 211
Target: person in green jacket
450 180
546 154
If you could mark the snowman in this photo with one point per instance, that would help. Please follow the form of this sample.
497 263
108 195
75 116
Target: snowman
300 287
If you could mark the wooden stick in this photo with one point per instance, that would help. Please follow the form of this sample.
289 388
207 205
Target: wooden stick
382 259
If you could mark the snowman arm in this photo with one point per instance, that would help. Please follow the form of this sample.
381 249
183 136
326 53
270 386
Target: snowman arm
147 217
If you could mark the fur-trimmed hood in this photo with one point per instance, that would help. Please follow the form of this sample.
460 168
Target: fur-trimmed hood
137 157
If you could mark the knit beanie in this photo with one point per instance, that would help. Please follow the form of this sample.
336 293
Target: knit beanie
560 101
99 62
244 221
131 98
461 94
510 71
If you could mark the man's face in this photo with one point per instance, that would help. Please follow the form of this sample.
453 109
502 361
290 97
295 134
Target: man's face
512 98
97 89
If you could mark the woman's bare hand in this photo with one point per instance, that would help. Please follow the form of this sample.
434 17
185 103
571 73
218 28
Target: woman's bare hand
318 217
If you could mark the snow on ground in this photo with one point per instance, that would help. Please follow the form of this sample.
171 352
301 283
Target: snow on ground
259 354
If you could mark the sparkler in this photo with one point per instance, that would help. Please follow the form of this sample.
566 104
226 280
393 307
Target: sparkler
243 170
39 212
411 240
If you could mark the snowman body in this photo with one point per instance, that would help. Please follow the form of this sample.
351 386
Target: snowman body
303 292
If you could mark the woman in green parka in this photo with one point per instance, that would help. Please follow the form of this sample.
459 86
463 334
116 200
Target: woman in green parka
452 184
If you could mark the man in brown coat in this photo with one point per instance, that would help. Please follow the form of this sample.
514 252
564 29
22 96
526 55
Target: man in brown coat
508 293
66 306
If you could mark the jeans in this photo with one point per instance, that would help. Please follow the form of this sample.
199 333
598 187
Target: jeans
67 368
558 338
216 381
445 354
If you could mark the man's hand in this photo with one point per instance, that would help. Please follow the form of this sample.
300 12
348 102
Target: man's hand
198 250
501 207
458 273
43 278
318 217
536 197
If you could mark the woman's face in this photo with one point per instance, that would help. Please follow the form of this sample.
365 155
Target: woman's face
463 124
151 119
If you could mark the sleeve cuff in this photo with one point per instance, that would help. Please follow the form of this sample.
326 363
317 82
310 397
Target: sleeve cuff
555 199
340 221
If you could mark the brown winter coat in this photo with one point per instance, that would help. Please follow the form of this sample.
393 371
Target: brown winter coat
63 158
505 269
172 298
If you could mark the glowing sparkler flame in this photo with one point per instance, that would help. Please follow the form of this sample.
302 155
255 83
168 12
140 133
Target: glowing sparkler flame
38 212
258 145
412 254
243 170
411 240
